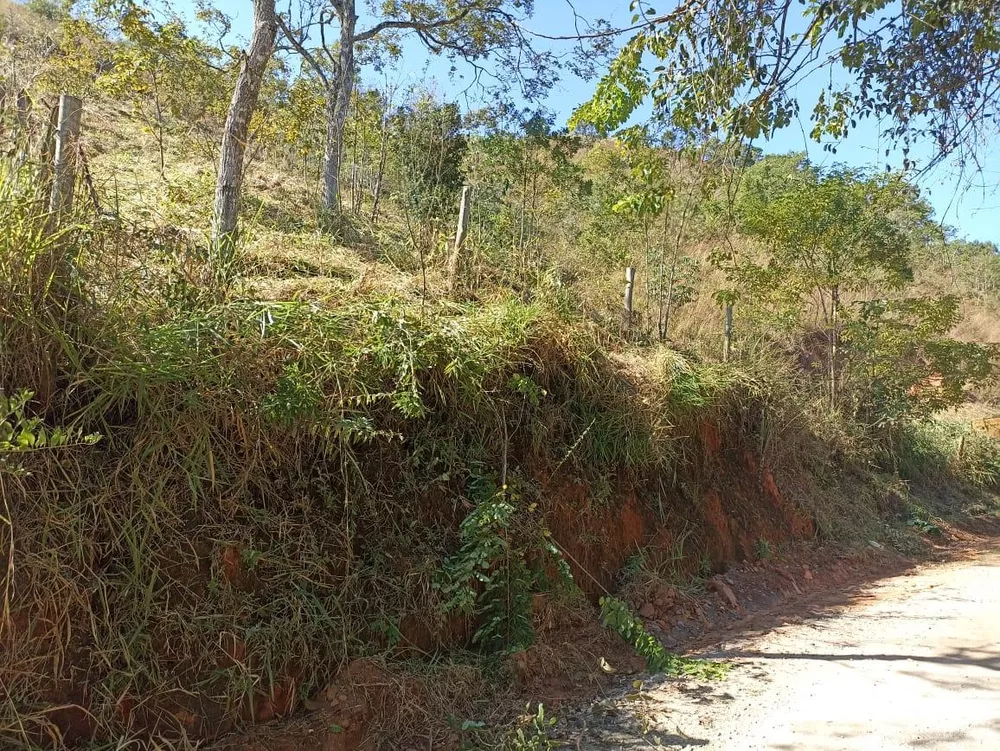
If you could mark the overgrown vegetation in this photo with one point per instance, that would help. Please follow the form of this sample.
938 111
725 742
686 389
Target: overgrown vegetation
314 455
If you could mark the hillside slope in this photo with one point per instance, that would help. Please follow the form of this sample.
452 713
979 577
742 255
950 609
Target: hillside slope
223 485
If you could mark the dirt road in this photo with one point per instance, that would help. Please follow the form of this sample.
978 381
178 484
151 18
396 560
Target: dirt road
914 663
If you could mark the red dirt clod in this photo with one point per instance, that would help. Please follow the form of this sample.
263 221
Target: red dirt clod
725 592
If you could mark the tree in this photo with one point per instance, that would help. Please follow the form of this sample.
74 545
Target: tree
298 119
52 10
237 128
467 30
923 70
427 148
822 234
524 177
904 362
160 68
664 192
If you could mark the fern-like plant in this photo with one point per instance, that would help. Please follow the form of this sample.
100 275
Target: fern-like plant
490 576
617 616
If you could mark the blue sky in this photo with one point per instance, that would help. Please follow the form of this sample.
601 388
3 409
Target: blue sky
968 203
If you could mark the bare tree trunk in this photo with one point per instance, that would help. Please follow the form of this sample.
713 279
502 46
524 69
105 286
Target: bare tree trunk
161 147
524 204
47 153
383 156
50 270
665 333
629 290
237 128
23 111
23 129
660 326
534 209
727 341
673 271
337 105
648 275
355 171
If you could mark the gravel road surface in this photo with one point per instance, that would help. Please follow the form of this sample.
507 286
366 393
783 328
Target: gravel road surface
914 663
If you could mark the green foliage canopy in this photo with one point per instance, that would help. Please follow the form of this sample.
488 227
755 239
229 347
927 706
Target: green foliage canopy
819 232
924 70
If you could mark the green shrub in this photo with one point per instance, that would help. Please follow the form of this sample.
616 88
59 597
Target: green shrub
936 452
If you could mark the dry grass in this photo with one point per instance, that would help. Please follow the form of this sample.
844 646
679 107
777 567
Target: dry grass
980 322
277 485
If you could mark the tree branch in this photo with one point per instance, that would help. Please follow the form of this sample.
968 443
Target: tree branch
322 39
605 33
412 24
306 54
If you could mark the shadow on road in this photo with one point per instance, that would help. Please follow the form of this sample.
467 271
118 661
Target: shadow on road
964 657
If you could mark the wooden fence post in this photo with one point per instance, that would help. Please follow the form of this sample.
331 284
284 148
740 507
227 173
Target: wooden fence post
727 341
629 290
64 162
464 212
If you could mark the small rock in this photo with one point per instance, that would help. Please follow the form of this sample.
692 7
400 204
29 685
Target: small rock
808 575
665 596
648 610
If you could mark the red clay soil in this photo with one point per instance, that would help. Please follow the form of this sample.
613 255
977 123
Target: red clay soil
357 710
353 713
741 505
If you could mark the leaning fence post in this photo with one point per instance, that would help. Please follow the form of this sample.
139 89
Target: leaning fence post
464 212
64 162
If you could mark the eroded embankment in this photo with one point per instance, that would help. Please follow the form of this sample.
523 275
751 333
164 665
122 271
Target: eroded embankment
282 490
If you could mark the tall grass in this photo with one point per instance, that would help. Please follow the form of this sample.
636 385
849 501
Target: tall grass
936 453
279 485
